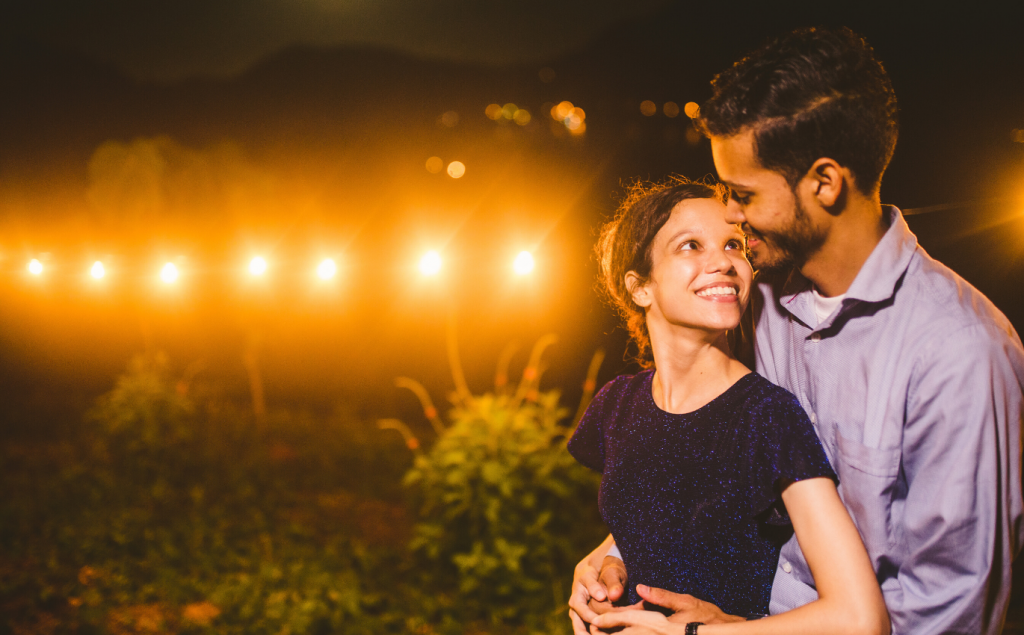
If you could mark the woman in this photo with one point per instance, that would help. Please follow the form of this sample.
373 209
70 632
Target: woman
705 464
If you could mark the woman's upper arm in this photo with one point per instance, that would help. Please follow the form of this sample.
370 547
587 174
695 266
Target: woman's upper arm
832 547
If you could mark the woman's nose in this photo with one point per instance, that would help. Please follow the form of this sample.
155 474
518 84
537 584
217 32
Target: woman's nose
718 261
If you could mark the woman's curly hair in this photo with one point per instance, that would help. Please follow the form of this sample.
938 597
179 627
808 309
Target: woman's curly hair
625 241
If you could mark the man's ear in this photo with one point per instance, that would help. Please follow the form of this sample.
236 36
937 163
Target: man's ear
641 296
825 181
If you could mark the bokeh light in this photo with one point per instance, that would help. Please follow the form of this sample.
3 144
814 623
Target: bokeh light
546 75
523 264
648 108
35 267
561 110
456 169
493 111
449 119
522 117
508 111
169 273
430 263
671 109
692 109
257 266
326 269
435 165
98 270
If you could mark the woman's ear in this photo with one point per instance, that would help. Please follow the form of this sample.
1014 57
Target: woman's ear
638 290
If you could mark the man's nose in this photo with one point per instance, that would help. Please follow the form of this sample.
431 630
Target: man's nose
734 213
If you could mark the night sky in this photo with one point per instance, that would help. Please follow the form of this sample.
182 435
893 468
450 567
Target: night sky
203 132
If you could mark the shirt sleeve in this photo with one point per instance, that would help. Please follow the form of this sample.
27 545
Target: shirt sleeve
791 451
961 458
587 442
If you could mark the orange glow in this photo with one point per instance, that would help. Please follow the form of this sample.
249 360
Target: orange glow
326 269
523 264
521 117
671 109
98 270
493 112
508 111
35 267
169 273
648 108
560 111
456 169
257 266
430 263
691 109
435 165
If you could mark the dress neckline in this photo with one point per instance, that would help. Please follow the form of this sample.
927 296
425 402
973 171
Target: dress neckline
649 395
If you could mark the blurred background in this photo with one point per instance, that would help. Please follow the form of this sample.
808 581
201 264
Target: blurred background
202 135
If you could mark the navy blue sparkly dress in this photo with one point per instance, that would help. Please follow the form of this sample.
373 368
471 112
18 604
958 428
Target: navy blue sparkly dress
693 499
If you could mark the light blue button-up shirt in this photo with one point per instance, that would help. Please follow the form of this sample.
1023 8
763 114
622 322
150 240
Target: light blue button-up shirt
914 385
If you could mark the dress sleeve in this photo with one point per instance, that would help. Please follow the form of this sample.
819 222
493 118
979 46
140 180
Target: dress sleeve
587 442
791 452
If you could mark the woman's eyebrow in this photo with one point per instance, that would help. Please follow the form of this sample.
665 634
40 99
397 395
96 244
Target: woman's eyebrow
680 233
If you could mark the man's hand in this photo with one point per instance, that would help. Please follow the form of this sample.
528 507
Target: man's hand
594 591
685 608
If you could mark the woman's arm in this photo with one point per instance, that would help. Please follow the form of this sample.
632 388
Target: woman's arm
849 600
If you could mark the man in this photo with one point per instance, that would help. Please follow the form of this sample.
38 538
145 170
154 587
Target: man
912 378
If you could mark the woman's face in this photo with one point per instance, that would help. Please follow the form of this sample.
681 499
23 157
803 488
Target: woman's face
700 276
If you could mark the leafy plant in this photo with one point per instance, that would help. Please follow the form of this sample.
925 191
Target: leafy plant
503 510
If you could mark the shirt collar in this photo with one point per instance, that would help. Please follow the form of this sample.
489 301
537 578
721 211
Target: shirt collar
876 281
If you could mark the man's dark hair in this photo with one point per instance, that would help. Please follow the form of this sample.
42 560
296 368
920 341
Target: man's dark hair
814 93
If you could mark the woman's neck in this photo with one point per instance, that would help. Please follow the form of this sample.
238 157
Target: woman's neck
692 370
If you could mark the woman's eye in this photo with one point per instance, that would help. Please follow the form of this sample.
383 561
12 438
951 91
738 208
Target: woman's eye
688 245
734 244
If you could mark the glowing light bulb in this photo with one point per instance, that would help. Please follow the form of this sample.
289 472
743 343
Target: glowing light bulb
169 273
523 264
326 269
456 169
35 267
257 266
430 263
98 270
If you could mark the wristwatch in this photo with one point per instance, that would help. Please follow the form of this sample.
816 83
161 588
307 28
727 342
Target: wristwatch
691 627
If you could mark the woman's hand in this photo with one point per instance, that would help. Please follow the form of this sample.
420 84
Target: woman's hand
636 622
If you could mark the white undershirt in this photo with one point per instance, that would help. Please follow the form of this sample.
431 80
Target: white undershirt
824 307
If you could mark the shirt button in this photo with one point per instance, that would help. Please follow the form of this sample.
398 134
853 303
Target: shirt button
788 568
815 337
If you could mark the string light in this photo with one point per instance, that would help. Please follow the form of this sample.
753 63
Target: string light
523 264
169 273
326 269
430 263
257 266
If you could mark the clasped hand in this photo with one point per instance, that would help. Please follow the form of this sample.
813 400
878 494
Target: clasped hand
594 592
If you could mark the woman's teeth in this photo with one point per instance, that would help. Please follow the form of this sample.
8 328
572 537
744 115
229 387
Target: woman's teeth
717 291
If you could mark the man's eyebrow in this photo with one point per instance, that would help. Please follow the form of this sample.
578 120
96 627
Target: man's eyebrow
736 186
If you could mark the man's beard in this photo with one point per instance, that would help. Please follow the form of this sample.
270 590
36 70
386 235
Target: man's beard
790 247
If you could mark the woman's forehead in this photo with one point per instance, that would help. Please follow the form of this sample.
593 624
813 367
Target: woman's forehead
700 215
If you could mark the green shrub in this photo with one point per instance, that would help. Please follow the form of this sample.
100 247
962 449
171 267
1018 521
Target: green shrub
504 512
